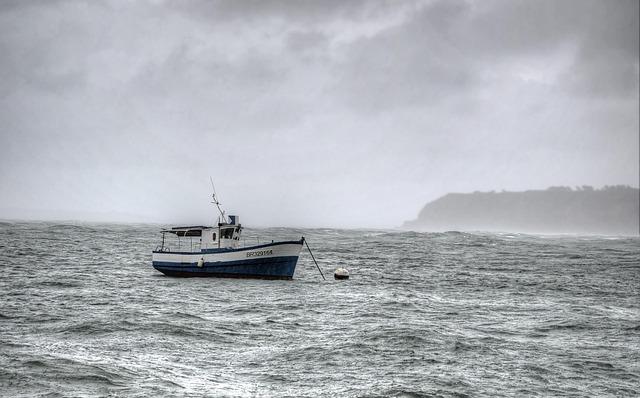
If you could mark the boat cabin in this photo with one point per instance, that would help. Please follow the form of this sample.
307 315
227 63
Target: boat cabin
199 238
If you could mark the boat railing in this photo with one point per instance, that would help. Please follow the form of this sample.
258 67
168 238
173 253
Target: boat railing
180 244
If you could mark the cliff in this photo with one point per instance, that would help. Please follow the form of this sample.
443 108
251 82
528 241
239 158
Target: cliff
610 210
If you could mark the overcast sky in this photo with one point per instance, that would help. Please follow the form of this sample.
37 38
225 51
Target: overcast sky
320 113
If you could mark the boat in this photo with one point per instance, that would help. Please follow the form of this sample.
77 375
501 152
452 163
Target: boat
217 252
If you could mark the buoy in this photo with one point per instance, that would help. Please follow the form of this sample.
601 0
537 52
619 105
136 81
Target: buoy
341 273
201 262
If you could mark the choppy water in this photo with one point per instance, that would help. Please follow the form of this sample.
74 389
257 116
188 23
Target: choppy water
83 313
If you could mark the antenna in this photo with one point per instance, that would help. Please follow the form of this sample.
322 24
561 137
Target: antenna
217 203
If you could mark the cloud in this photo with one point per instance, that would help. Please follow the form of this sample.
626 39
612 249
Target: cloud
312 105
450 48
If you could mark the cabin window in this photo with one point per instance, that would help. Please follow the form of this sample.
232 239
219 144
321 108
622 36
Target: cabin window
213 236
227 233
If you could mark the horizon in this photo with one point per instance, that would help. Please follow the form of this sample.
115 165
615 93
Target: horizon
313 114
124 219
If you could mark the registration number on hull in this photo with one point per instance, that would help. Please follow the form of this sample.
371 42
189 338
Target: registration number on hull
260 253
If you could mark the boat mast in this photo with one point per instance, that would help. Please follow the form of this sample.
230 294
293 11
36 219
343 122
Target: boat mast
215 201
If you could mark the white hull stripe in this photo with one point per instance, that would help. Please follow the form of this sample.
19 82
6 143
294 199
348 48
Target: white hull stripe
251 253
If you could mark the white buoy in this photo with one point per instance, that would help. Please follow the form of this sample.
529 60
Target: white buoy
341 273
200 262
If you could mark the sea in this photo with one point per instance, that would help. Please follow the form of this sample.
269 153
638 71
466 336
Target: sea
454 314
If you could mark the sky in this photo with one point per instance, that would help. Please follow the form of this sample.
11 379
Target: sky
308 113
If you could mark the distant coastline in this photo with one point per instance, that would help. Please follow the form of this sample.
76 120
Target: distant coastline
611 210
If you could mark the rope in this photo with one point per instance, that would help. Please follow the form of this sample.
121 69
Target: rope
314 259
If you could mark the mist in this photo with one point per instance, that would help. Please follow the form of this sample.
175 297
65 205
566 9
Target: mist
313 114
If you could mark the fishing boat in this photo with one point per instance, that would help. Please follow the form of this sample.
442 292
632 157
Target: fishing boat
215 251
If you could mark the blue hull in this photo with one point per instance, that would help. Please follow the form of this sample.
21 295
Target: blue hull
264 268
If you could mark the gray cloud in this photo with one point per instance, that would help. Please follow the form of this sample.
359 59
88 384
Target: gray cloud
299 12
446 47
